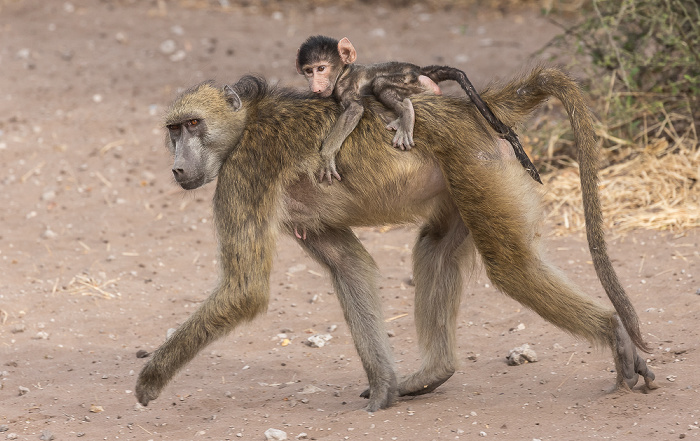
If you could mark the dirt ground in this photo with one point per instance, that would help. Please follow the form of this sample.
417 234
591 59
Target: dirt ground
101 253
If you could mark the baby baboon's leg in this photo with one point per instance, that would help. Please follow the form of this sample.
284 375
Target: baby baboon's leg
387 90
439 260
354 275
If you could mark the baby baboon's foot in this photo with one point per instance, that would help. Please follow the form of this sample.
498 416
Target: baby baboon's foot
630 364
329 171
420 383
394 125
403 140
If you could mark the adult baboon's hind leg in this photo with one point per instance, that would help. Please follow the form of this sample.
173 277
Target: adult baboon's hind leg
502 212
440 257
355 275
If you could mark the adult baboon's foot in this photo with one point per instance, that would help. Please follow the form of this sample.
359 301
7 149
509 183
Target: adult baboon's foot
379 397
149 384
422 383
630 364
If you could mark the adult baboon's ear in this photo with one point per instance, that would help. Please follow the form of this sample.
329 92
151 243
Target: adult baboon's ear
232 97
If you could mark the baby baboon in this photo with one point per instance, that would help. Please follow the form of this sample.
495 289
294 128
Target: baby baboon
329 66
471 194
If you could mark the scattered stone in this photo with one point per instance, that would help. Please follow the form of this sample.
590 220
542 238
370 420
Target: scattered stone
19 327
296 268
12 436
4 428
178 56
41 335
520 355
170 333
24 54
168 47
48 195
142 353
520 327
49 234
318 340
46 436
302 435
275 435
310 389
23 390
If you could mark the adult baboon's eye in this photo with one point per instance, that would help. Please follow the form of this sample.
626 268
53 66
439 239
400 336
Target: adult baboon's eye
193 122
321 68
173 127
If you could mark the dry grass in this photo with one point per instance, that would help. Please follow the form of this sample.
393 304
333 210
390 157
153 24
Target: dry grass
653 184
85 285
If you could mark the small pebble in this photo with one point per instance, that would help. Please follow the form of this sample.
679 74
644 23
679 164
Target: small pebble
275 435
520 355
318 340
142 353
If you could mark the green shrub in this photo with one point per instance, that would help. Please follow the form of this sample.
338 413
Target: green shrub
642 61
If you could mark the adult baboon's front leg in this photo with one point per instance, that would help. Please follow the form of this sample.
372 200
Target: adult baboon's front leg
440 257
217 316
628 363
354 275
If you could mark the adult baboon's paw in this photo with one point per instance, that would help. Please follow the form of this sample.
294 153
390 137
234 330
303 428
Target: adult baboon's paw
417 385
631 364
148 385
379 398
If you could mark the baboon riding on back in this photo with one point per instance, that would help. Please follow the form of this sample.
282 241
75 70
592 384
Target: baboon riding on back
466 188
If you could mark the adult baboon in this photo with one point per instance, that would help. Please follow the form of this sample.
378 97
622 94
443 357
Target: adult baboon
468 190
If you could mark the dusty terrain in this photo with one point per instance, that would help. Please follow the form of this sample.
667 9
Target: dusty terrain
100 253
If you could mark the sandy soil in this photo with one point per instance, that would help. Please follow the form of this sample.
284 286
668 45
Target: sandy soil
100 253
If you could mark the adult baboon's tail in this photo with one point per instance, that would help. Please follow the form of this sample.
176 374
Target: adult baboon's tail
512 104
